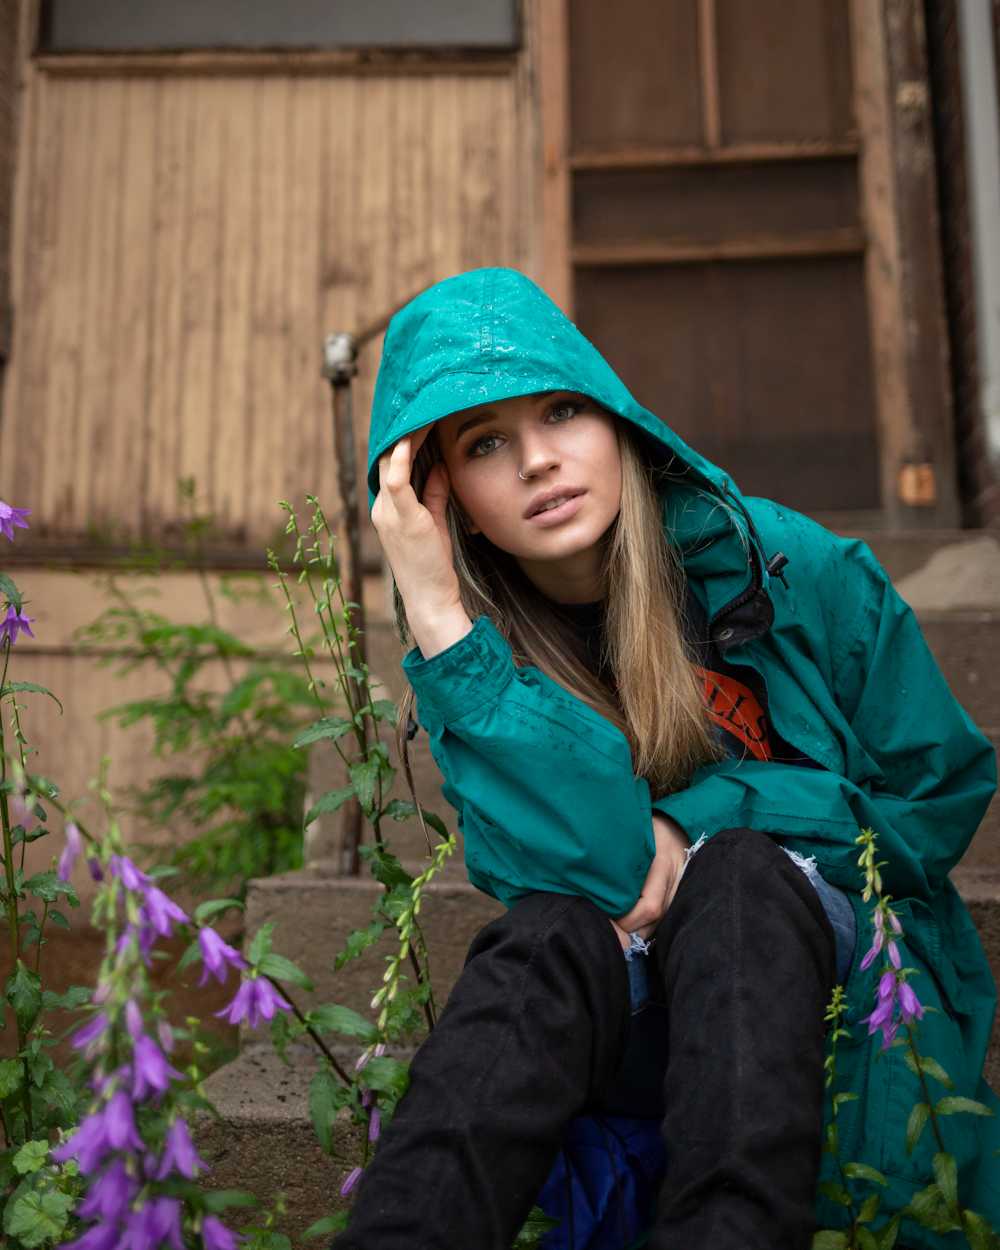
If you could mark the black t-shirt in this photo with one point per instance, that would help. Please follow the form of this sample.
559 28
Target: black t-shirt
734 694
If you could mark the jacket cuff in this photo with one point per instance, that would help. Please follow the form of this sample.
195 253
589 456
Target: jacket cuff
461 678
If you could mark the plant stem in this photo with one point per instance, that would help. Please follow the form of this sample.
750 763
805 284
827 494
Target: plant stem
312 1033
41 930
13 916
927 1095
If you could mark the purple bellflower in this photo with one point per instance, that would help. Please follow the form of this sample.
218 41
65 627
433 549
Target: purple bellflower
102 1236
109 1196
909 1005
218 955
74 844
89 1144
180 1153
152 1072
165 1223
255 999
133 1018
374 1125
90 1031
130 876
352 1179
9 517
96 871
14 621
160 911
216 1236
119 1124
166 1035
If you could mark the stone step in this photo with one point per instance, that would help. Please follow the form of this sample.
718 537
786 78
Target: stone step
314 911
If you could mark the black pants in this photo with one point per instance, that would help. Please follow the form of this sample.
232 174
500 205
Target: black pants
537 1029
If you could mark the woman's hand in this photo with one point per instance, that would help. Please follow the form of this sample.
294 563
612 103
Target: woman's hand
661 881
417 545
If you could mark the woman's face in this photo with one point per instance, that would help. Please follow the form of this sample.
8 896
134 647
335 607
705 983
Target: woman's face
540 476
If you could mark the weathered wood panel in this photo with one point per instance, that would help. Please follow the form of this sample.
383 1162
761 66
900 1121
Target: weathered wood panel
184 245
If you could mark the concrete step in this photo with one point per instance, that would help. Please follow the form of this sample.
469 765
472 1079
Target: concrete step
314 911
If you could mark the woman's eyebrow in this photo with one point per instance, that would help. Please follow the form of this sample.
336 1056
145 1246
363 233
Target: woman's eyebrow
478 419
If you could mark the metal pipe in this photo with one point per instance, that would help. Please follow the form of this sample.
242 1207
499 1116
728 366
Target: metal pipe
982 137
340 368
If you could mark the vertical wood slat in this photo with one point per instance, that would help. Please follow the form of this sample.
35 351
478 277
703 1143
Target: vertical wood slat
183 246
553 74
708 49
903 262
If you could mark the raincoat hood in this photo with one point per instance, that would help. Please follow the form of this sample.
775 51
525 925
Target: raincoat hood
493 334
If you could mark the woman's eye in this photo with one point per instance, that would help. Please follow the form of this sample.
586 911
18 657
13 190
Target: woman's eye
563 412
483 446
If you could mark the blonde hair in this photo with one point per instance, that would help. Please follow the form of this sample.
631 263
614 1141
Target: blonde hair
654 698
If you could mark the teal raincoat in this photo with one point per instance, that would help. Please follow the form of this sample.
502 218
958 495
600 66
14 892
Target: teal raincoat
544 786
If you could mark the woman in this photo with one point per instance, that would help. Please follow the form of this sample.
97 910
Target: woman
639 705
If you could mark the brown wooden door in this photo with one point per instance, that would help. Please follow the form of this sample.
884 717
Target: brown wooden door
716 244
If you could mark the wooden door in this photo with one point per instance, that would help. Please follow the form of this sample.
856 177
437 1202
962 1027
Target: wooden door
716 240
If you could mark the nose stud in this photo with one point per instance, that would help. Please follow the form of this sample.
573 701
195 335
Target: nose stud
521 476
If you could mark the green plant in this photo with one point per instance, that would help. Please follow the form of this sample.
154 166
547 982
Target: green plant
937 1207
244 785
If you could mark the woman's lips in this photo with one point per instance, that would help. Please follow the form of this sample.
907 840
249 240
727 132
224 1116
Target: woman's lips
554 516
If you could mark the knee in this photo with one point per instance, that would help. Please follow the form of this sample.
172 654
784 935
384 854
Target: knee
551 927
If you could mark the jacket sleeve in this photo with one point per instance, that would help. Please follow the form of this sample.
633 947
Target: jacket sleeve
912 766
542 784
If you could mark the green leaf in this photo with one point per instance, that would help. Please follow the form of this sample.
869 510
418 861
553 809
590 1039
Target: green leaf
840 1098
223 1199
283 969
357 941
27 687
885 1237
934 1069
328 1224
74 997
835 1193
190 956
7 1166
284 1031
436 823
57 1090
915 1125
48 887
59 919
869 1209
399 809
979 1232
829 1240
332 801
386 868
39 1217
865 1240
862 1172
30 1157
956 1106
363 777
329 727
10 591
385 709
388 1074
24 994
326 1097
536 1226
214 906
11 1076
332 1018
261 943
946 1175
